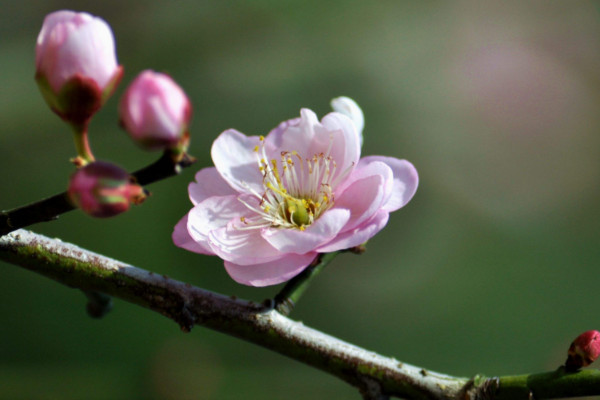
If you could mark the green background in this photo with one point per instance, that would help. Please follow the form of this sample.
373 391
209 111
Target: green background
492 268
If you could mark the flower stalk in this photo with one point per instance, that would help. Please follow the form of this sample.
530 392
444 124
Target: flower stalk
82 145
288 297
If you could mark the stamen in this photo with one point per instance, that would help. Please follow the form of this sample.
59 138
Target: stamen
295 193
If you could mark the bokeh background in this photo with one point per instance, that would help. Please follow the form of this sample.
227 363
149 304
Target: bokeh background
492 268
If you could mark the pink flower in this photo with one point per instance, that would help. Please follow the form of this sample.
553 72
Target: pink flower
101 189
76 63
271 204
155 111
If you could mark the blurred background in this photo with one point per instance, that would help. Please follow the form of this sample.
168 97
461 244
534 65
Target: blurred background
492 268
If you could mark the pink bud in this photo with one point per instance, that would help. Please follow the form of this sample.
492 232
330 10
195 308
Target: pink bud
156 112
584 350
76 64
102 190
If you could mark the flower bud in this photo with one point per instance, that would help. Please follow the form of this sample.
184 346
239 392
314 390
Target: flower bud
76 64
156 112
584 350
102 190
348 107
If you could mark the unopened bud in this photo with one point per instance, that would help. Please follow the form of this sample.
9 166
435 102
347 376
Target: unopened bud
156 112
103 190
76 64
584 350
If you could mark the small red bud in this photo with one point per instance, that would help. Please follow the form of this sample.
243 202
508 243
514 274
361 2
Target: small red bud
103 190
584 350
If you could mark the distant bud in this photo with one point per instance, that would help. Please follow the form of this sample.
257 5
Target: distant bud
76 64
584 350
348 107
156 112
102 190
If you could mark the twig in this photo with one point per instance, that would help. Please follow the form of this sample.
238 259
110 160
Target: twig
548 385
50 208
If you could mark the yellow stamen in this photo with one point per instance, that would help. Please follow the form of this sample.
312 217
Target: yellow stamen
297 192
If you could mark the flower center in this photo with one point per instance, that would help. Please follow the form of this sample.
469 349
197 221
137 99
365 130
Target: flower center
296 190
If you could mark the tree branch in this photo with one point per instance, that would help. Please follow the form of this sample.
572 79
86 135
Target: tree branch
50 208
376 377
188 306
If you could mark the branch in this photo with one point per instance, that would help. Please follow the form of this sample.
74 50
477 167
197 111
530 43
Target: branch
377 377
50 208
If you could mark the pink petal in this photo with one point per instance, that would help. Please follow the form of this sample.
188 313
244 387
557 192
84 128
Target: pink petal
363 198
182 238
275 136
358 235
213 213
208 183
321 231
86 47
348 107
307 136
406 180
243 247
237 162
293 135
346 141
270 273
366 170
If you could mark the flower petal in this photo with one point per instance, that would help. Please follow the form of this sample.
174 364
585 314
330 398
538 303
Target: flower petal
364 198
208 183
406 180
182 238
270 273
88 49
243 247
237 162
321 231
346 141
293 135
358 235
348 107
213 213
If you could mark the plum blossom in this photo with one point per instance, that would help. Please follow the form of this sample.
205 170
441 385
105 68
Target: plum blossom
271 204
